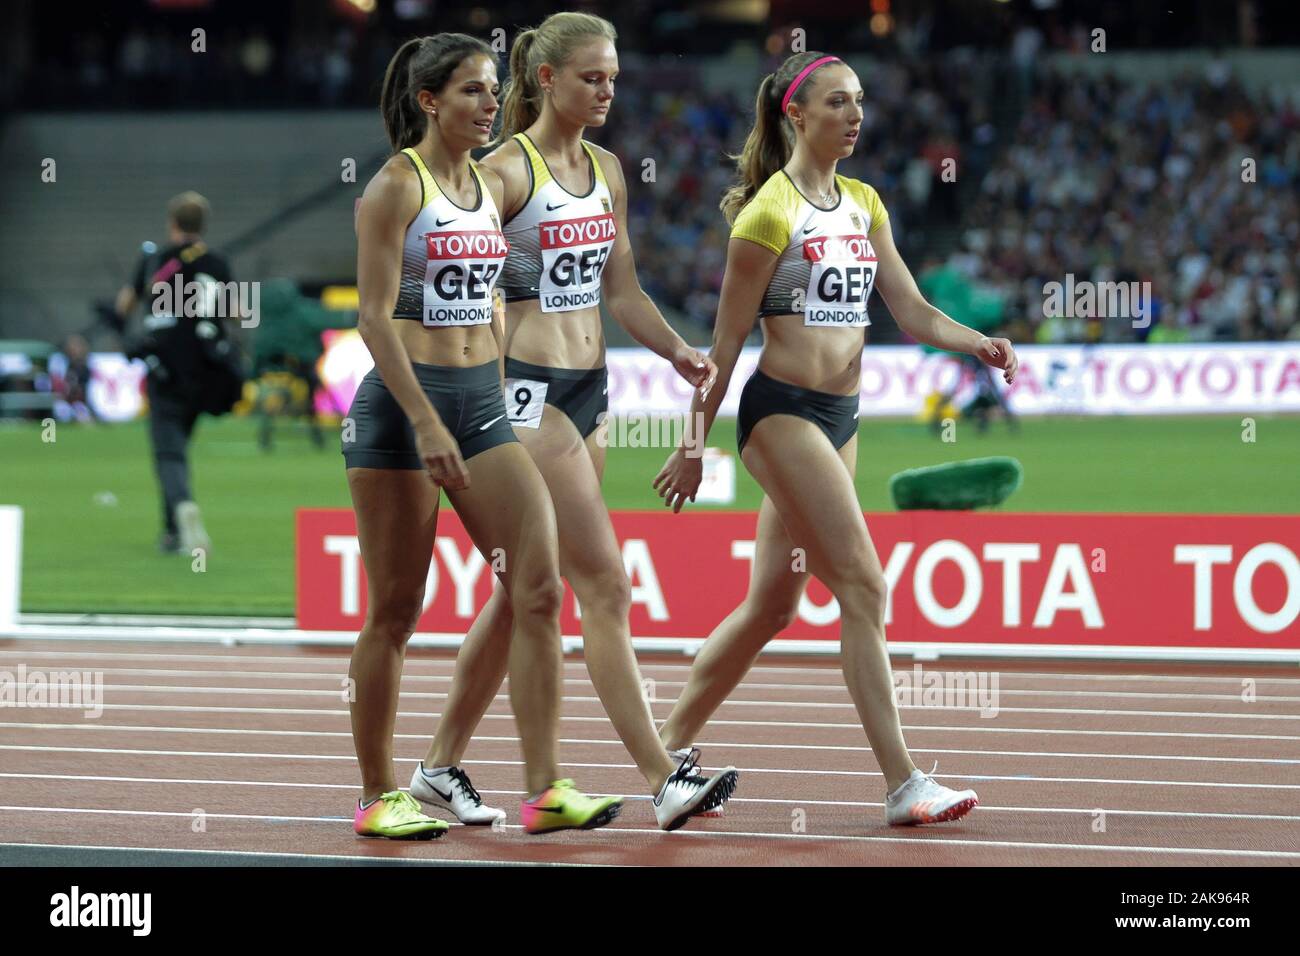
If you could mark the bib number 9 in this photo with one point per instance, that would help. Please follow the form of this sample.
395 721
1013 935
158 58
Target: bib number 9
525 401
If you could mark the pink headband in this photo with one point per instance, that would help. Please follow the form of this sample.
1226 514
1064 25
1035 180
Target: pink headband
803 74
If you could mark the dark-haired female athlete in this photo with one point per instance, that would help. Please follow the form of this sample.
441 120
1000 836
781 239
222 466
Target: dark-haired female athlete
430 250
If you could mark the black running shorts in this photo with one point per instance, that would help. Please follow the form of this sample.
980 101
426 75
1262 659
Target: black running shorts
836 415
581 393
467 399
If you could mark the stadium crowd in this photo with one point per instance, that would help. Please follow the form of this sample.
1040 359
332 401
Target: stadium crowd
1190 184
917 115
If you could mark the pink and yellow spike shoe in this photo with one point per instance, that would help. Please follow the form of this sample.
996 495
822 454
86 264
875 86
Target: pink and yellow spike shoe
397 816
562 807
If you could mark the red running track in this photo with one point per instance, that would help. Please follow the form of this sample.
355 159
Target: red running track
247 750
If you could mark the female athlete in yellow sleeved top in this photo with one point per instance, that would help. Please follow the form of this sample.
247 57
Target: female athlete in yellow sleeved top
565 216
806 247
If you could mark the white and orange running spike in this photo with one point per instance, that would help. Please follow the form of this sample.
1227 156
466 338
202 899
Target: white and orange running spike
922 799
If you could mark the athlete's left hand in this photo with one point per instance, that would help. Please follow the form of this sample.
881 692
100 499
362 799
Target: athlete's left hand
679 479
999 354
696 367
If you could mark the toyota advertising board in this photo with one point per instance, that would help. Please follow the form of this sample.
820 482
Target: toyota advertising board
1021 580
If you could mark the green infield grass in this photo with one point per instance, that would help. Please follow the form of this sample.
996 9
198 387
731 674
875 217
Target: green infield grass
91 511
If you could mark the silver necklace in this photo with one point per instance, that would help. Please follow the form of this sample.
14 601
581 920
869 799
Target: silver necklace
827 199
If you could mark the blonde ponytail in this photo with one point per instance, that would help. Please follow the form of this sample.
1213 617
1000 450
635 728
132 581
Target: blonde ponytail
553 41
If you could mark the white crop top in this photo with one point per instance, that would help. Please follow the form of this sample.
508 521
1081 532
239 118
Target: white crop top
451 257
559 242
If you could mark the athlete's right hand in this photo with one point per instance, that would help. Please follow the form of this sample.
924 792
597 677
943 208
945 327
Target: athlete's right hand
441 456
679 479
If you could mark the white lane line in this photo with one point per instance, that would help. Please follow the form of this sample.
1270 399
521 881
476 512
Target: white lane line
340 677
352 787
734 835
994 844
241 755
1138 678
483 738
939 728
337 712
262 854
835 705
828 669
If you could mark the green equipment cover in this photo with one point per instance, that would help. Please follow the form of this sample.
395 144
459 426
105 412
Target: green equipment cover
958 485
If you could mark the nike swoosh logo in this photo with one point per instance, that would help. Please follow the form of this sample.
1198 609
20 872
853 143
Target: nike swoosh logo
548 809
491 423
550 208
809 229
443 222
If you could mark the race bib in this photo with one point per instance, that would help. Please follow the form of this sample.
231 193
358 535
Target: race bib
525 400
461 270
843 271
574 252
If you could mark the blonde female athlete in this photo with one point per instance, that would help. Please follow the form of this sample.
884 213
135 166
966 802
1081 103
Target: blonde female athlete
565 205
430 415
806 246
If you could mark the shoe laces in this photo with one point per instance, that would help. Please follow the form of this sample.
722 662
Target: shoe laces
926 778
569 794
401 802
929 777
565 789
461 779
688 771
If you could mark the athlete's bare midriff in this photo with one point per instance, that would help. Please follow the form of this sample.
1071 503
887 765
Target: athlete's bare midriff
456 346
554 339
825 360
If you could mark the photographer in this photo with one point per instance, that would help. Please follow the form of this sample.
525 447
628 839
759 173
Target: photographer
193 364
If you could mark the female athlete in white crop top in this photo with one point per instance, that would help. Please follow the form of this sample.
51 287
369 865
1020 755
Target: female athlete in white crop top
565 207
429 248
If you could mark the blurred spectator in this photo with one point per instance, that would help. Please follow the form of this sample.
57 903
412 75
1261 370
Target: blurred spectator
70 380
256 55
1025 46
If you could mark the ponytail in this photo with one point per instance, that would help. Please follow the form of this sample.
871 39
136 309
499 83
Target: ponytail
553 41
402 115
770 142
765 151
421 63
522 102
